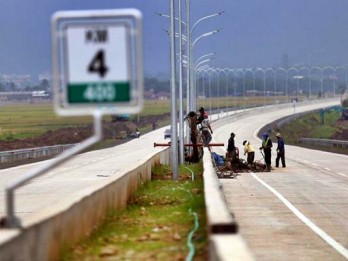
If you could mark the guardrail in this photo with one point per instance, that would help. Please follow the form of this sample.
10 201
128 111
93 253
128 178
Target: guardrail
325 142
23 154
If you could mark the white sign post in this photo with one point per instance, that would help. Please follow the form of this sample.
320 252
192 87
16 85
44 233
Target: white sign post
97 62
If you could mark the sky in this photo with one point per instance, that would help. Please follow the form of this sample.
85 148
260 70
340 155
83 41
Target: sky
254 33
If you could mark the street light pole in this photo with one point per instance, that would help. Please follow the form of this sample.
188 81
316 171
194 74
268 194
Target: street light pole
192 72
298 77
188 73
309 81
181 110
190 51
286 81
264 85
174 132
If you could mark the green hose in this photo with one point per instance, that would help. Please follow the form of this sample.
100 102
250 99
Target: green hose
196 225
189 238
192 174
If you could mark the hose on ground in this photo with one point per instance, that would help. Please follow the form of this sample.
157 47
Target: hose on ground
192 174
190 245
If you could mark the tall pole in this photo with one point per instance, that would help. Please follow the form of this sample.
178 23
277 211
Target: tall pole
209 94
226 92
188 77
174 133
181 112
264 89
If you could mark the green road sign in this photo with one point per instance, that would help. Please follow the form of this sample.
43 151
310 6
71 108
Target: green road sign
99 92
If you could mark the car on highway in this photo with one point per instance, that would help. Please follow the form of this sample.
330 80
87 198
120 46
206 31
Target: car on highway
167 133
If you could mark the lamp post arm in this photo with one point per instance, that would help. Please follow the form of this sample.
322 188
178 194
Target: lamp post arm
203 56
201 62
203 35
167 16
205 17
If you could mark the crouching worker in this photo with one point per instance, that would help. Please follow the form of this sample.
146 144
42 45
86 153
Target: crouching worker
249 149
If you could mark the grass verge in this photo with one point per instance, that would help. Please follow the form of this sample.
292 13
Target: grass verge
311 126
156 223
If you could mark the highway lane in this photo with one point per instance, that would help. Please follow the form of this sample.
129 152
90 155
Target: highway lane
81 172
294 213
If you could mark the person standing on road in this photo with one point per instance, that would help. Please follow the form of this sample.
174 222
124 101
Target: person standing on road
206 131
249 149
267 149
231 148
280 151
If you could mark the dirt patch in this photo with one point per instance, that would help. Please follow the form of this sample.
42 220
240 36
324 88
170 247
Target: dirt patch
118 130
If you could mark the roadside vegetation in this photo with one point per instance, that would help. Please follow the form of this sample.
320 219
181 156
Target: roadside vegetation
20 121
158 223
311 126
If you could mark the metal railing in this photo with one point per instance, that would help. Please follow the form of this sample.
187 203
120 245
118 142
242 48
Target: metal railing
325 142
33 153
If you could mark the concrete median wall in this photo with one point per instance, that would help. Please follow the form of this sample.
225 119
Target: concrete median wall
225 244
47 233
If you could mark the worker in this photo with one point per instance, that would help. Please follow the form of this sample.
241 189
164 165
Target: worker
201 115
231 148
249 149
206 131
280 150
267 149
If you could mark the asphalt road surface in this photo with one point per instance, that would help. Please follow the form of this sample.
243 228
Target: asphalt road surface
295 213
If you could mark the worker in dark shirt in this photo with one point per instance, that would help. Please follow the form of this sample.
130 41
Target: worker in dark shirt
280 151
231 148
267 149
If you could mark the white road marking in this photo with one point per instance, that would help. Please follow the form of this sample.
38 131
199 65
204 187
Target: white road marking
344 175
328 239
327 168
314 164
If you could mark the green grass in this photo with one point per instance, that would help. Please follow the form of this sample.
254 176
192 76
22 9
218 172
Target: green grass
30 120
156 223
310 126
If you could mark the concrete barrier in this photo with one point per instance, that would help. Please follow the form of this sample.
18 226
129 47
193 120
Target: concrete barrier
47 233
225 244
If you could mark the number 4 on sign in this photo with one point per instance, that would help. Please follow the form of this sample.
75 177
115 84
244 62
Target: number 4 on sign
97 65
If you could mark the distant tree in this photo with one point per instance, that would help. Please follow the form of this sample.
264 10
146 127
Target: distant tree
156 85
12 86
45 84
